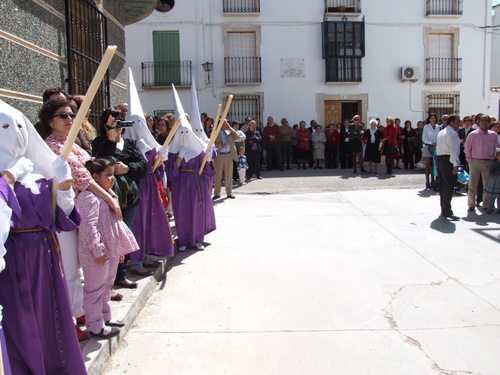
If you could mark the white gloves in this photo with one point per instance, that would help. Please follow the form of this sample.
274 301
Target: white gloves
61 169
209 151
20 167
66 200
182 152
163 152
2 264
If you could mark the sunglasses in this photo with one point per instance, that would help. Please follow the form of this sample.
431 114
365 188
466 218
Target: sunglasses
65 115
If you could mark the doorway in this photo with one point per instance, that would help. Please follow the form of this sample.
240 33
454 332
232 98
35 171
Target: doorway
338 110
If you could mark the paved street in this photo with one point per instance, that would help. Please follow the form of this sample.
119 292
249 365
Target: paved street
336 275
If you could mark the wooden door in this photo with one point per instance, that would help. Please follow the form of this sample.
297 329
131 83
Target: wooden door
333 112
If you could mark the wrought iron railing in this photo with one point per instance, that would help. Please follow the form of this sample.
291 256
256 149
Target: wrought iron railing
87 39
444 7
159 74
241 6
442 70
343 69
244 106
343 6
242 70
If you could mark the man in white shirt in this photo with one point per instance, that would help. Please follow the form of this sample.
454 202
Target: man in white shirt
448 153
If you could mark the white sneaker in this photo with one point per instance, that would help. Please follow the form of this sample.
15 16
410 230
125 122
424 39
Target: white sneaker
199 246
181 248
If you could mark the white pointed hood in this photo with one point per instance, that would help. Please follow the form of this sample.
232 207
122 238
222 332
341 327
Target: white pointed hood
195 116
18 137
185 137
139 131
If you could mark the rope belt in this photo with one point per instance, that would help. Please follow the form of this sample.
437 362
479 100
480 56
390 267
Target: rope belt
197 181
54 240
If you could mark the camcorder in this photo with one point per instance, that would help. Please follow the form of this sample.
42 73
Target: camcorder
121 124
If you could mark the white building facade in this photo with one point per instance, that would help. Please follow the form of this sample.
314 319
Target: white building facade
323 59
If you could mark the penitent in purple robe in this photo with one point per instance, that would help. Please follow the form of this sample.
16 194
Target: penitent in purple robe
191 199
37 318
5 357
151 228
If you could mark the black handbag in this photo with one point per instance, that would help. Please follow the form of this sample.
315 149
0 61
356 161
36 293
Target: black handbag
391 151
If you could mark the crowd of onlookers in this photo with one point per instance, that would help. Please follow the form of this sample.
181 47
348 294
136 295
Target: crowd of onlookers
348 145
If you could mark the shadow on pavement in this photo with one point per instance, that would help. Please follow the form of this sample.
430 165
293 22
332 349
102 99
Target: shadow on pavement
482 218
444 226
491 233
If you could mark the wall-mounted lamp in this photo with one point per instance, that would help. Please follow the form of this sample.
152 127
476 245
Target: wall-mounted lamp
207 67
344 18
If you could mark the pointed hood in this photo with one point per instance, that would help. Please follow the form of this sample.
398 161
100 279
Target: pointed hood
140 129
185 137
195 115
18 137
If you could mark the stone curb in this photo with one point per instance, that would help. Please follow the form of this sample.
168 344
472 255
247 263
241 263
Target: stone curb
97 353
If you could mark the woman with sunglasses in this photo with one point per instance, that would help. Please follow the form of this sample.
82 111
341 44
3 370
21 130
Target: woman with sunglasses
56 117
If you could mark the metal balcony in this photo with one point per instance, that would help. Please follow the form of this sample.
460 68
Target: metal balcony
241 6
163 74
444 8
343 69
443 70
343 6
242 70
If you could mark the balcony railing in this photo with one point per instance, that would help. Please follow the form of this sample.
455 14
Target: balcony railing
161 74
443 70
343 6
343 69
241 6
444 7
242 70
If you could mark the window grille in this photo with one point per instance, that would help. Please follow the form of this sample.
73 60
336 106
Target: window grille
444 7
244 106
343 48
442 104
86 30
241 6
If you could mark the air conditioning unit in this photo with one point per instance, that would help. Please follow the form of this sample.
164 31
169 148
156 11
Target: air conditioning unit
410 73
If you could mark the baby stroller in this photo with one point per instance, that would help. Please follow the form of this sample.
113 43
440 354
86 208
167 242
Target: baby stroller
462 177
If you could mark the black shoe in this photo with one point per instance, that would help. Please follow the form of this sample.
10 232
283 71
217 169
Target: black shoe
151 264
230 196
472 209
141 273
126 284
363 170
450 217
117 297
259 177
101 335
114 323
215 197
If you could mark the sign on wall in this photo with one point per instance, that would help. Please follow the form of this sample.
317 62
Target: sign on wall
293 68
